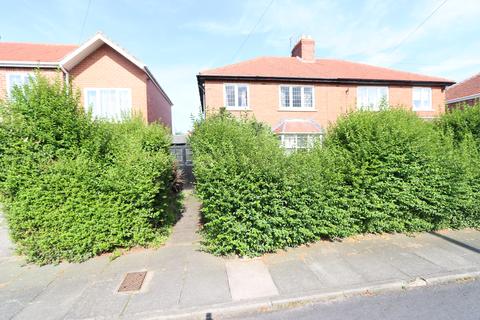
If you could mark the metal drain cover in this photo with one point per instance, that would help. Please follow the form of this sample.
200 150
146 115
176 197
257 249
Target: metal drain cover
132 282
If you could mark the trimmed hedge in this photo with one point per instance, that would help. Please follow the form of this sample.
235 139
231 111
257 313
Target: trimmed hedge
386 171
73 187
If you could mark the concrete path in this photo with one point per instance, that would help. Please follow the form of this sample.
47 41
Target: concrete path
183 281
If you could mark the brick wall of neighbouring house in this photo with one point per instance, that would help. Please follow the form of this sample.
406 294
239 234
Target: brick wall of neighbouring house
461 104
159 108
106 68
330 101
51 73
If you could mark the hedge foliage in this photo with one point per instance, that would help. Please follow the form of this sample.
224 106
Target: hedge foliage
386 171
74 187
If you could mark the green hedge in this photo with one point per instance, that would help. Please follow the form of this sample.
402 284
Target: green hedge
73 187
386 171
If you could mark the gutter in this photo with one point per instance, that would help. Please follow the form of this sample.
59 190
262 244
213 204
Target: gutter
29 64
465 98
201 78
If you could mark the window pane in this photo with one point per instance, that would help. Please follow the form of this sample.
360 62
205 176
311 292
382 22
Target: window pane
242 96
302 141
91 100
297 97
371 98
124 102
230 96
427 98
289 141
285 96
307 97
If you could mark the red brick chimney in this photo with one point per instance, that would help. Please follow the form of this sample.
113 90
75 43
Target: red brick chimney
305 49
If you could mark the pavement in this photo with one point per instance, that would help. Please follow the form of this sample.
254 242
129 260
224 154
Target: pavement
184 282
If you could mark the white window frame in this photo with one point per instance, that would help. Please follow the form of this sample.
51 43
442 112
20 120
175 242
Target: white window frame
370 108
290 94
22 73
422 108
312 138
97 94
236 85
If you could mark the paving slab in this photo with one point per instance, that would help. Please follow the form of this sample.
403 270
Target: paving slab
448 259
372 268
408 262
293 276
249 279
333 271
100 299
64 292
206 281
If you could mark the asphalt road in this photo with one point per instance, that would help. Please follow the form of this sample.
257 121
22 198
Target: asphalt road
452 301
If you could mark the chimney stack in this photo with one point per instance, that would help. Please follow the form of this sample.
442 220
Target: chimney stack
305 49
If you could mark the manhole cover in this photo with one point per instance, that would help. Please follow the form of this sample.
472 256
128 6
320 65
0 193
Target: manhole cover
132 282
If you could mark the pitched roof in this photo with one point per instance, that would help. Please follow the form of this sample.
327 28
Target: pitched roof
329 69
34 52
68 56
467 88
297 126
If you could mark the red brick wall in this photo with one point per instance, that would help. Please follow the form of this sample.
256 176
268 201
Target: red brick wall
159 108
105 68
331 101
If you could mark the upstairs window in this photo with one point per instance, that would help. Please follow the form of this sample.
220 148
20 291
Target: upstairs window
17 79
372 98
422 99
296 97
109 103
236 96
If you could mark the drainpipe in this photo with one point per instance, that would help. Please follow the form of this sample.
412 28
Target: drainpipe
67 77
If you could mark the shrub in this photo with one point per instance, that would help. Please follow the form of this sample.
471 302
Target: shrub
74 188
386 171
400 173
462 122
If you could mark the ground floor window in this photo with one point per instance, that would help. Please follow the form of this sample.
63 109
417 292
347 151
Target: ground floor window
291 142
17 79
109 103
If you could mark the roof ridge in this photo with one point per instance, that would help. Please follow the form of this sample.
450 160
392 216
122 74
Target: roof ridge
241 62
385 68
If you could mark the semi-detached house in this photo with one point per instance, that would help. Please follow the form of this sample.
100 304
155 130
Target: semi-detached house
111 81
299 96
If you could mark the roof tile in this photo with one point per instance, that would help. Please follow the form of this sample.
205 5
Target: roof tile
15 51
292 67
465 88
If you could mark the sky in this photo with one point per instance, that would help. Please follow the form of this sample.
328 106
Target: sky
177 39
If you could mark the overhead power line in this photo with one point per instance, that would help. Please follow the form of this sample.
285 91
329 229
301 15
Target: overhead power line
253 29
85 20
419 26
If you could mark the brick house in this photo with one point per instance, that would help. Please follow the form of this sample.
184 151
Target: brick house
466 92
299 96
111 82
